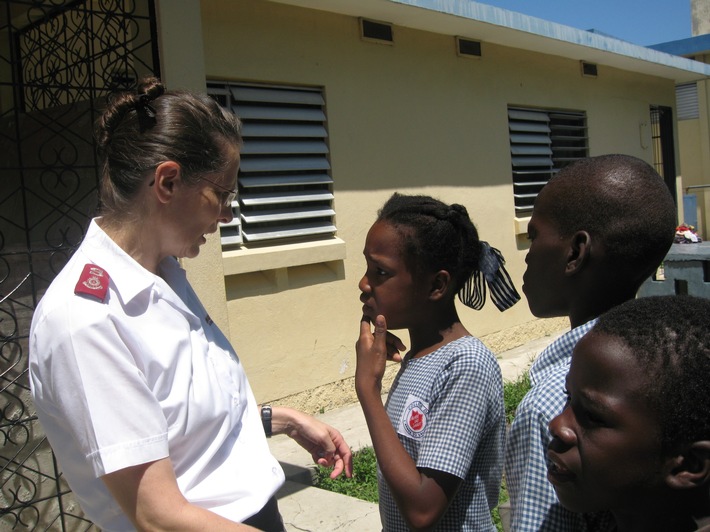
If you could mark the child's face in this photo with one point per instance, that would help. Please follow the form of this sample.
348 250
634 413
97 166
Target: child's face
605 452
388 287
546 262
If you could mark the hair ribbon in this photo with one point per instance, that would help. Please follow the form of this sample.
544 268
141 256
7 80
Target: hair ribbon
491 271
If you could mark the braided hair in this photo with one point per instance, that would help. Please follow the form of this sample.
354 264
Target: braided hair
437 236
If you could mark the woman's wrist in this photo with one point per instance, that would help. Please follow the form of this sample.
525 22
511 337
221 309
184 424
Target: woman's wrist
284 419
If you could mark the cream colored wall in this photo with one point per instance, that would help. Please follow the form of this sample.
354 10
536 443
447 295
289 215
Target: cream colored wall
694 170
411 117
182 67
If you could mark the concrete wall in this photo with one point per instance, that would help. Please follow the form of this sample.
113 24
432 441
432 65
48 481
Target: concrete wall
700 16
411 117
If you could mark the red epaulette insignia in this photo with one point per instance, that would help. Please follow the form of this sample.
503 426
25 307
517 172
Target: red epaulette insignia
93 282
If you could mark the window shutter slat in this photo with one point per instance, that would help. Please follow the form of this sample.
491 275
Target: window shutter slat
289 214
296 114
275 147
283 198
283 164
529 139
532 161
519 149
285 180
531 127
290 231
282 130
526 114
285 95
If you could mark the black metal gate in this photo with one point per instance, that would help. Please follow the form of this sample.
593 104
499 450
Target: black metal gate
58 60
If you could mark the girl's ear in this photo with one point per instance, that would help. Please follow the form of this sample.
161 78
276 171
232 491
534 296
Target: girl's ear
691 468
166 176
579 252
440 283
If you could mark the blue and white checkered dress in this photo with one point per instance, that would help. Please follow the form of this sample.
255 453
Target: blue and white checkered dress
533 501
448 407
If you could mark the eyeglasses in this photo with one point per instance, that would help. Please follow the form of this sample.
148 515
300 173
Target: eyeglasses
231 194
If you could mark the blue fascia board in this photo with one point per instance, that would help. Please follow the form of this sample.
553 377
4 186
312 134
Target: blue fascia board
685 47
468 9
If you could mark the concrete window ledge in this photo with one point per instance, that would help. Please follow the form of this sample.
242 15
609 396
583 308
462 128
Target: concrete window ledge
521 225
240 261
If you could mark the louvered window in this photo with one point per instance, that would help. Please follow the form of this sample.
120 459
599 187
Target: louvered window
541 143
686 96
285 191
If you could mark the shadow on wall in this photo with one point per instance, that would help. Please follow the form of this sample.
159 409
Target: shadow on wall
281 279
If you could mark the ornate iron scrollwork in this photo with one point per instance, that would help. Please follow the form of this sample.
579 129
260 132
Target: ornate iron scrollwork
62 58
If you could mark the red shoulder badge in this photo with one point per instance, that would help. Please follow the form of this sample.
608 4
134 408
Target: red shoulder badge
93 282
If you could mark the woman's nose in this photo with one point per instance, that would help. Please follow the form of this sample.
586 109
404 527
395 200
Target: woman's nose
226 214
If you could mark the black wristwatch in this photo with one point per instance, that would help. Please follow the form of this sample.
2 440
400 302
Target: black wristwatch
266 419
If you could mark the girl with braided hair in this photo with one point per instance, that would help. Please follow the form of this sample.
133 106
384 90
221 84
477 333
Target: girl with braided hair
439 439
143 399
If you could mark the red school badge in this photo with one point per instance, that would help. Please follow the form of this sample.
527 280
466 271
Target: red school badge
416 420
93 282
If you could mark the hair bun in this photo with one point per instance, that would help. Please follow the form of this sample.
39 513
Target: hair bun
456 212
149 89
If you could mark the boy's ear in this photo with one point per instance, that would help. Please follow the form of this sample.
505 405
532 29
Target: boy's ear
579 252
440 284
691 468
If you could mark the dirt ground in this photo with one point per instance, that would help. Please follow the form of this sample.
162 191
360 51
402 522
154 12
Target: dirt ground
337 394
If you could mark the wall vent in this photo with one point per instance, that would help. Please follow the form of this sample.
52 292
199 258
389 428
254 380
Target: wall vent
376 31
589 69
467 47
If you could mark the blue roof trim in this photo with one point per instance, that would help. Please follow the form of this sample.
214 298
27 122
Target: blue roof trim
690 46
517 21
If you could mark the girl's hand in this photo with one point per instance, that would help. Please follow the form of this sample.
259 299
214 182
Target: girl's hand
394 347
373 351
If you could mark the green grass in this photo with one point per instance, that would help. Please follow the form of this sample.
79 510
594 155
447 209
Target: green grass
513 393
363 485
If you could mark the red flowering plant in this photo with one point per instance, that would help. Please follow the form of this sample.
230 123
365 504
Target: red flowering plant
686 234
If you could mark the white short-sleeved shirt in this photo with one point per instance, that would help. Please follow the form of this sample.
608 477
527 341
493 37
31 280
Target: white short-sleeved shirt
140 376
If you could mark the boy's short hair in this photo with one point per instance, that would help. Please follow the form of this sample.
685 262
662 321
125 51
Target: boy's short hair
670 338
621 200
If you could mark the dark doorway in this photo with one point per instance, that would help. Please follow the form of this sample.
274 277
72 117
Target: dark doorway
664 145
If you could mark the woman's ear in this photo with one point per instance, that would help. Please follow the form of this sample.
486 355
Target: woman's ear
165 178
690 468
579 252
440 284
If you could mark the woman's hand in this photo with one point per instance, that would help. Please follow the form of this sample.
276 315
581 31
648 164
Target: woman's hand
325 443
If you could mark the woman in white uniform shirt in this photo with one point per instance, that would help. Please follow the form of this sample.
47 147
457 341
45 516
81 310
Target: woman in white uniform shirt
142 397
